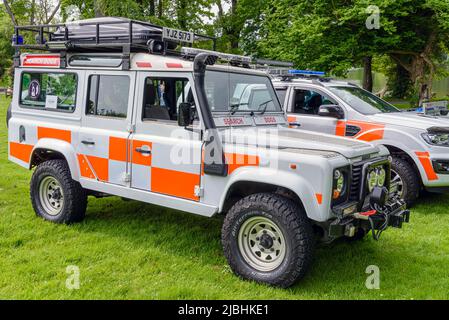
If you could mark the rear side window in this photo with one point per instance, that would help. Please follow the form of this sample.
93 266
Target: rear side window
50 91
108 96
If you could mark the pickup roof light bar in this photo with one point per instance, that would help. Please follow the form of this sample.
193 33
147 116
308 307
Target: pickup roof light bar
233 59
307 73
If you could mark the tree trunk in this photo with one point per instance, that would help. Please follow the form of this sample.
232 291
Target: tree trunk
235 28
10 13
152 8
33 13
160 9
97 9
182 13
368 73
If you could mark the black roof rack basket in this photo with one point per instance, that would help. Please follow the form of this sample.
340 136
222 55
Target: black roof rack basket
100 34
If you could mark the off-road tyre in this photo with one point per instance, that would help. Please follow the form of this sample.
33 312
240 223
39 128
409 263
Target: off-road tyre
410 178
74 203
294 225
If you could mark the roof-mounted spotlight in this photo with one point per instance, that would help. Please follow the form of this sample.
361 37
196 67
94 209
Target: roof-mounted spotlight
58 45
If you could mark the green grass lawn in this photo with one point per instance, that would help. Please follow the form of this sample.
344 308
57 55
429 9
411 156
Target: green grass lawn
131 250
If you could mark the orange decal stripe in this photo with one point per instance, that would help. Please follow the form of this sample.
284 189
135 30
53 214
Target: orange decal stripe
21 151
319 198
139 158
85 170
370 131
100 167
341 128
58 134
118 149
424 158
174 183
236 161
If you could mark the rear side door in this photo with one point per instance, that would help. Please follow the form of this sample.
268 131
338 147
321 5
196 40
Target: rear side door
302 108
103 149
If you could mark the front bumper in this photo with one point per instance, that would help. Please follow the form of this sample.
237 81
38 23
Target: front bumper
394 214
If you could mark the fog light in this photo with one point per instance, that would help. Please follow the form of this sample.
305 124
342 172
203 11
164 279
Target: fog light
441 166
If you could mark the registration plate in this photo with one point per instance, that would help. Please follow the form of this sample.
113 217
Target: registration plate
178 35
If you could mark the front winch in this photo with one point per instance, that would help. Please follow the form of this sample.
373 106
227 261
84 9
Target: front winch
393 214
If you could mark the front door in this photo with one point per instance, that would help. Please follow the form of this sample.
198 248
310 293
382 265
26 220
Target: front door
103 147
166 159
303 107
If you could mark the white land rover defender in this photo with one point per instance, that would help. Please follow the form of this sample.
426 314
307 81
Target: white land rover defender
104 111
418 143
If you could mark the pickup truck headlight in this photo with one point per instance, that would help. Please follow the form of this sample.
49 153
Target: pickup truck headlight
436 139
377 177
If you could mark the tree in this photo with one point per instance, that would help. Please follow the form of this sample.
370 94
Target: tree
333 35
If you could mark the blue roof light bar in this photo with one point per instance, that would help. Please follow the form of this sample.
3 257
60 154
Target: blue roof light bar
307 73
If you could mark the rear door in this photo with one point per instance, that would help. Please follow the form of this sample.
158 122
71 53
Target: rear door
103 149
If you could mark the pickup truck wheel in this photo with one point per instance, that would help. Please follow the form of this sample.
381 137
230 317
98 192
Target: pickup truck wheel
55 196
407 179
268 239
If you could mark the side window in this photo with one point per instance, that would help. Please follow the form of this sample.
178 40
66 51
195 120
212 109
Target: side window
282 94
162 97
309 102
108 96
50 91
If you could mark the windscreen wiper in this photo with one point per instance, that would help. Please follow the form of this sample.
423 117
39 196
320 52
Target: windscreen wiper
235 107
266 106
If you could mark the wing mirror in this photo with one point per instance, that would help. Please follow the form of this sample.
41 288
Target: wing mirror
185 115
332 111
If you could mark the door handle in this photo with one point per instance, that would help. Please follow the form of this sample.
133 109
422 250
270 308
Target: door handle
295 124
143 151
88 143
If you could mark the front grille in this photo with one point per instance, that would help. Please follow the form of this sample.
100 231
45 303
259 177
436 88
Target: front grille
356 182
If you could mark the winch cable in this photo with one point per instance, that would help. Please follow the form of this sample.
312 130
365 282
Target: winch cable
377 234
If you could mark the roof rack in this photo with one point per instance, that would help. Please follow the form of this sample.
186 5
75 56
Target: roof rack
105 35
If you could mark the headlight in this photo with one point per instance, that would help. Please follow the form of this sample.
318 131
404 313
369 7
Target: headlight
339 184
382 177
376 178
436 139
372 180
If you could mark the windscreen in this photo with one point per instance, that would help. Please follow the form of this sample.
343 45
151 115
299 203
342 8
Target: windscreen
240 93
363 101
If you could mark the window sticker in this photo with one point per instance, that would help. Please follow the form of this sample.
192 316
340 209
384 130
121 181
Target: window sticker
51 102
34 90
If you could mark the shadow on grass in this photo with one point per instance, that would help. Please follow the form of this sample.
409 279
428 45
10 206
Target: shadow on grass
193 237
433 200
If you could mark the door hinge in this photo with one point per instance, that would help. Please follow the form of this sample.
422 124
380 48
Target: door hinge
199 192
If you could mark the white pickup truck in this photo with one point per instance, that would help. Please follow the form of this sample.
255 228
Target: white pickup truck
418 142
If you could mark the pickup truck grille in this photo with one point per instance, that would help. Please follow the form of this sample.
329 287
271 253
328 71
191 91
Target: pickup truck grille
356 183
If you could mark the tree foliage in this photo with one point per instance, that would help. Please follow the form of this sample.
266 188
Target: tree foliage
321 34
